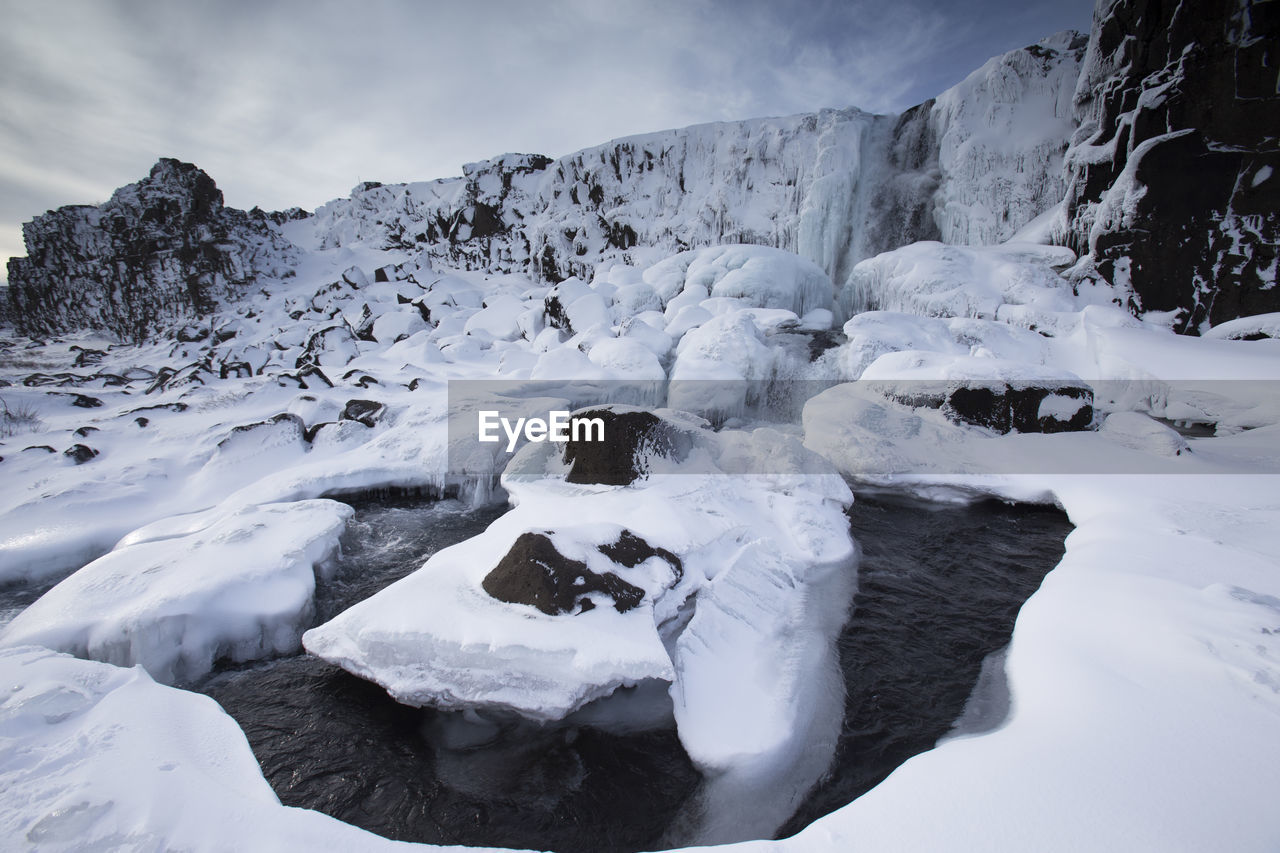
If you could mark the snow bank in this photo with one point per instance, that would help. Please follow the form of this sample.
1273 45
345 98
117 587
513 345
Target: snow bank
93 757
1145 665
1014 282
180 597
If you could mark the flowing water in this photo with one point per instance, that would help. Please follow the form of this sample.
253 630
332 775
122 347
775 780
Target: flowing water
939 589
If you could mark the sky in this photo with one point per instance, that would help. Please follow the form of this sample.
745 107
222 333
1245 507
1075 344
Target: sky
295 102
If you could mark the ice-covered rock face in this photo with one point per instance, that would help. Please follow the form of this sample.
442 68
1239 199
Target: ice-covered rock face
834 186
161 250
1173 174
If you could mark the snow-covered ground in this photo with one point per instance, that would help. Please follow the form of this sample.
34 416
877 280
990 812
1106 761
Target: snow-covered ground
181 492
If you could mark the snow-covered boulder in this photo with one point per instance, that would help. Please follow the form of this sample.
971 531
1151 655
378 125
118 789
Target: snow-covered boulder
995 393
1015 282
179 596
731 588
757 276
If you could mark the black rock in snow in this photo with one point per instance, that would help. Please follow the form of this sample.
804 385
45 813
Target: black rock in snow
1174 172
631 439
533 572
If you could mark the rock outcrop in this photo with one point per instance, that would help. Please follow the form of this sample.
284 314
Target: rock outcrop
1173 185
159 251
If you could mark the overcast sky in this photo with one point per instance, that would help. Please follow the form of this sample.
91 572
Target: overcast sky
293 103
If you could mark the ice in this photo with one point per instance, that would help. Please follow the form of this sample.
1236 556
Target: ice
177 598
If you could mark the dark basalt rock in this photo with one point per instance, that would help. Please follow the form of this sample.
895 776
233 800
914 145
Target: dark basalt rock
84 401
364 326
553 313
1005 407
84 431
631 438
1012 408
158 251
312 431
80 453
141 421
1174 174
43 447
238 369
367 412
325 340
630 550
192 374
191 333
299 379
533 572
85 357
166 407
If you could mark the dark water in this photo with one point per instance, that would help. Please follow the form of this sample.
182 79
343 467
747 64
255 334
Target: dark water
17 597
939 588
329 741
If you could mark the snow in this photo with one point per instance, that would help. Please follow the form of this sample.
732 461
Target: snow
1143 668
1243 327
93 756
1142 683
754 678
183 594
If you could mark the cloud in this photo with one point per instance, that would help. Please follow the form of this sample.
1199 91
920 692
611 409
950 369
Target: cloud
294 102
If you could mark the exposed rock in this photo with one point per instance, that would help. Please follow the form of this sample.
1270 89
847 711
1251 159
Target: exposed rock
168 378
1174 173
1013 406
333 345
192 333
85 357
834 186
630 550
84 401
367 412
161 250
1022 408
533 572
274 434
238 369
631 439
80 453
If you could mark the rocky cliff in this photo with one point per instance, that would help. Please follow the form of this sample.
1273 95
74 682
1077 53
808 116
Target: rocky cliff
1172 175
836 186
1156 135
162 250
